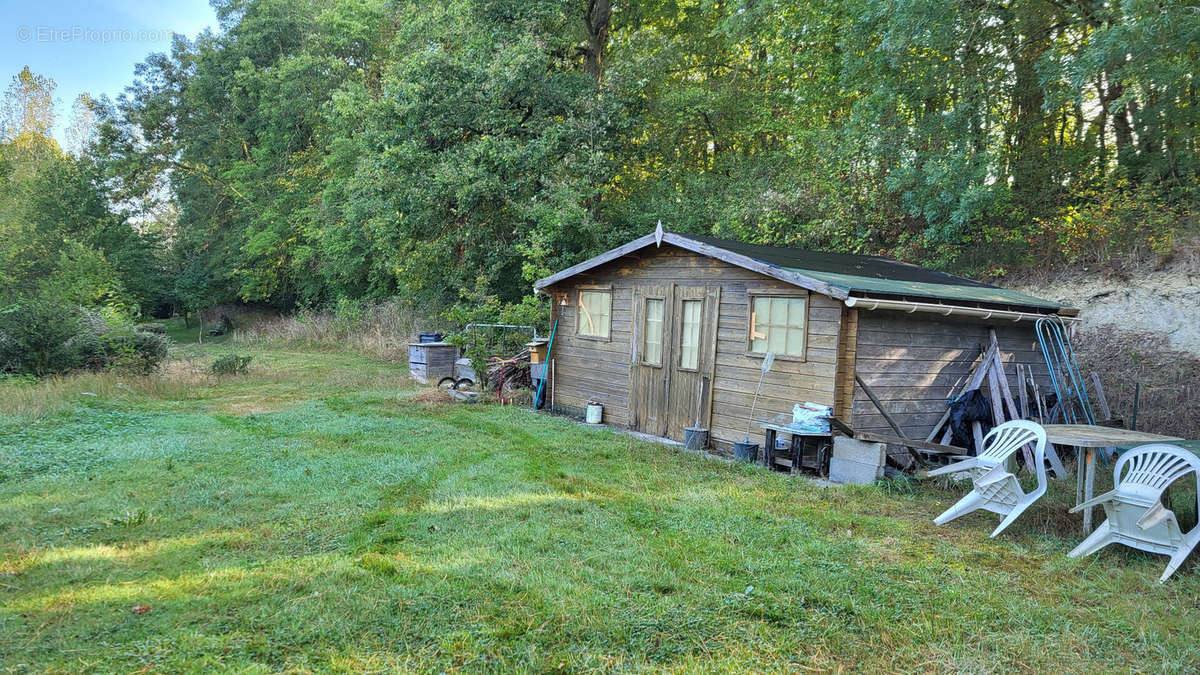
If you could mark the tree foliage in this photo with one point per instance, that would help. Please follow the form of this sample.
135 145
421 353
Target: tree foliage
69 251
317 151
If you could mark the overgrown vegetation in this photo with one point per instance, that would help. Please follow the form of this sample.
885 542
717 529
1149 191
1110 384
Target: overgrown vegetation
308 154
74 273
42 337
230 364
1143 368
381 329
313 515
329 156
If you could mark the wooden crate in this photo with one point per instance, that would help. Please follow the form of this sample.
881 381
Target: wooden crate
429 362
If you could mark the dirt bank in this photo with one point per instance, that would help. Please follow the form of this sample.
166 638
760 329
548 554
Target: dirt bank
1163 300
1140 332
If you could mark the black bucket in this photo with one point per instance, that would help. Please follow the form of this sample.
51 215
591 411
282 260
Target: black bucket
745 451
695 438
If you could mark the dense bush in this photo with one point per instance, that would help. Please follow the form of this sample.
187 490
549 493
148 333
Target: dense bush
36 338
230 364
43 337
136 351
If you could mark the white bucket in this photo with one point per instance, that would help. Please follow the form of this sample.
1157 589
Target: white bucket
594 411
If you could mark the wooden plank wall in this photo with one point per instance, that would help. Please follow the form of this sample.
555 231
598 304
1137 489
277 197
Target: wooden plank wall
847 352
590 369
912 361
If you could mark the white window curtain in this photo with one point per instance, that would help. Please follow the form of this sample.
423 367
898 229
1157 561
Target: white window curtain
654 331
689 337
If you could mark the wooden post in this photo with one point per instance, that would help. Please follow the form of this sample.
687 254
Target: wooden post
1100 397
1023 392
879 406
1001 378
976 380
891 422
1079 462
1089 478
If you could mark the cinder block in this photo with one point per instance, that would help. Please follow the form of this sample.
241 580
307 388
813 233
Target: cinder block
863 452
849 471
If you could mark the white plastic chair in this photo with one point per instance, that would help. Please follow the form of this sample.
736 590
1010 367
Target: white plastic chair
996 488
1136 515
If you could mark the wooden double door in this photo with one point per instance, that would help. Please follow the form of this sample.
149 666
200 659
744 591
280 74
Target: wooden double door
673 357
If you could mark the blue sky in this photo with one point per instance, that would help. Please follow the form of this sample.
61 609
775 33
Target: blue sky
90 45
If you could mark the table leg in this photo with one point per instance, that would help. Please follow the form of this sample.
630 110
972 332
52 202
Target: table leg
1078 475
1089 488
768 456
797 445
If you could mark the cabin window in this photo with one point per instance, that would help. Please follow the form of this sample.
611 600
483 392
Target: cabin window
653 348
595 314
689 335
779 325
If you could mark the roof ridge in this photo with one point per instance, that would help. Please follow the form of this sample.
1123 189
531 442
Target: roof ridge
945 278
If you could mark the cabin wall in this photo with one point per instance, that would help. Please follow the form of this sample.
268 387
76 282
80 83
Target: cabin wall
913 361
588 369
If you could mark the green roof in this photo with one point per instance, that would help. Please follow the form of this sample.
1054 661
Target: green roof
869 285
877 275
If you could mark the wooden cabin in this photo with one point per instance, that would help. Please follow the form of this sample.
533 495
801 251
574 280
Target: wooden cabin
669 331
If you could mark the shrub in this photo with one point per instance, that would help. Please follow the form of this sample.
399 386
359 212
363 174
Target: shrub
146 352
41 337
35 338
230 364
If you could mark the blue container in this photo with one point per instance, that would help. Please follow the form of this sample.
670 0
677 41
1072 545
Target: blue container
426 338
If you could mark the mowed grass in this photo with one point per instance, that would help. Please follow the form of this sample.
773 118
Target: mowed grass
317 515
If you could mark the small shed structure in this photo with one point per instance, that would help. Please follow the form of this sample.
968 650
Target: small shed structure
670 330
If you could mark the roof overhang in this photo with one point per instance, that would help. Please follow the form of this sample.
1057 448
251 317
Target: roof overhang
852 297
943 309
701 248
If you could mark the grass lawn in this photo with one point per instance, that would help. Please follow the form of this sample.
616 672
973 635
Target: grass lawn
317 515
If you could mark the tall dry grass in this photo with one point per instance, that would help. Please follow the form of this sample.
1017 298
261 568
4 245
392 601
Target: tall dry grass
382 330
31 401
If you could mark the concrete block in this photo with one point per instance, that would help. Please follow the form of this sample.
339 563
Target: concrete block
849 471
863 452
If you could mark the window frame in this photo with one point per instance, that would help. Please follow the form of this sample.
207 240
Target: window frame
752 295
679 367
662 338
593 288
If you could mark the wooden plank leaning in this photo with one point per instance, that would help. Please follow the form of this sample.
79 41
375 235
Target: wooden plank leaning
1000 388
891 422
973 383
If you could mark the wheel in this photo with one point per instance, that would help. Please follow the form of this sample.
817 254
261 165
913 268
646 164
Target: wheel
463 383
447 383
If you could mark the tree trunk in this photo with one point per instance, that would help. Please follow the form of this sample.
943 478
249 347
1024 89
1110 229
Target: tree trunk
597 19
1122 127
1032 133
